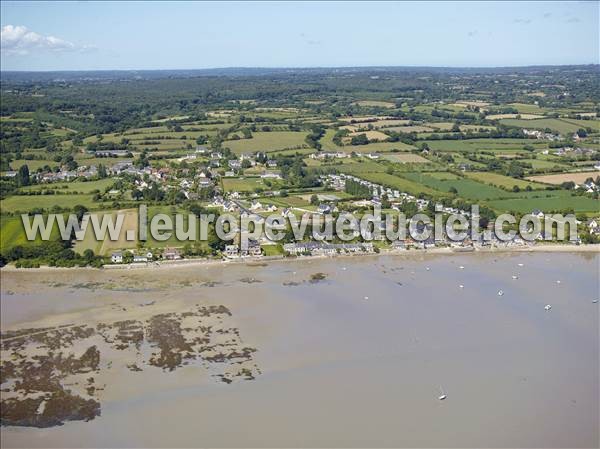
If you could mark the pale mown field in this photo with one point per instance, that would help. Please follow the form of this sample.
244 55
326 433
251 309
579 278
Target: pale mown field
578 177
522 116
406 158
377 104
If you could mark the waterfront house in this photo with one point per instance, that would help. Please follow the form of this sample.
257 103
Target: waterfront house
117 257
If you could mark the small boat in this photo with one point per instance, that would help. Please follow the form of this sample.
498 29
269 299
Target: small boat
520 264
461 286
548 307
427 268
500 293
558 282
594 301
366 297
442 396
461 267
515 277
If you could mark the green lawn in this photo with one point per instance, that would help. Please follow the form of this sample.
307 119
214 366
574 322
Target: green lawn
242 184
272 250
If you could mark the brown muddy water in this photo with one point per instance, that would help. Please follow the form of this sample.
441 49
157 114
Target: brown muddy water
348 352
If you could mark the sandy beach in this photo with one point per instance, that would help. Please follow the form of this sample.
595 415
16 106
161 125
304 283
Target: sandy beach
319 352
203 262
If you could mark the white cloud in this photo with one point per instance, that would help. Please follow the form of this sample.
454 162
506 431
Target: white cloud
18 40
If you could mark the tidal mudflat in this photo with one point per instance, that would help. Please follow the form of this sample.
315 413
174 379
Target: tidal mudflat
315 353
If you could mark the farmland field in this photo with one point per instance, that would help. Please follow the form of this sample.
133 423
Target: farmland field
411 129
13 232
557 201
404 158
513 116
25 203
267 142
371 135
242 184
374 103
354 167
474 145
502 181
559 178
544 164
555 124
467 188
77 186
377 147
399 183
33 164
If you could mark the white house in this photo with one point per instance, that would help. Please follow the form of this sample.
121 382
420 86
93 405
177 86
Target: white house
537 213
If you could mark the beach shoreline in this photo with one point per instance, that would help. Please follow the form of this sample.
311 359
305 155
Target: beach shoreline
186 263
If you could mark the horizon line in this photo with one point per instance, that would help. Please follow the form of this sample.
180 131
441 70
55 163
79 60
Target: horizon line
309 68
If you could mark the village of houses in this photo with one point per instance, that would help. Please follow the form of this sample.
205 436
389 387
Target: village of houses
214 167
247 205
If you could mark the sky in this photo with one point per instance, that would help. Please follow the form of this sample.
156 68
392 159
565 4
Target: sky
188 35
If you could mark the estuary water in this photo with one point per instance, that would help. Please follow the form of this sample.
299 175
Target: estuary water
350 352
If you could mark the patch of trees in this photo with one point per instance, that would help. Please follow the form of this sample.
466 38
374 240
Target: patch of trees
357 189
316 132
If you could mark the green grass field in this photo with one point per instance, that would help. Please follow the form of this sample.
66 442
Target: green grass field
131 222
556 200
526 108
502 181
33 165
356 167
25 203
13 233
559 125
267 142
467 188
544 164
288 201
475 145
402 184
76 186
242 184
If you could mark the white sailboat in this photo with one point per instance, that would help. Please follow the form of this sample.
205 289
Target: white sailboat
500 293
442 396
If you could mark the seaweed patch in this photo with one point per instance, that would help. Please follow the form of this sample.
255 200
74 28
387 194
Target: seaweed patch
48 376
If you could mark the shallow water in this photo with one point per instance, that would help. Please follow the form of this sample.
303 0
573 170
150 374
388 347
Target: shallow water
339 370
